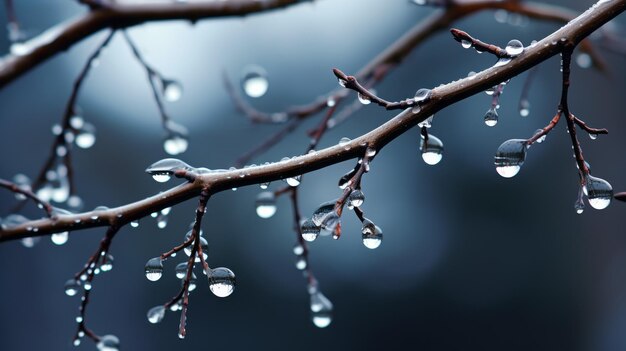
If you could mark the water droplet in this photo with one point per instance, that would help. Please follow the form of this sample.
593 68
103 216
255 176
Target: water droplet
86 136
370 152
107 263
514 48
310 230
264 185
322 212
593 136
466 44
75 202
491 117
524 108
364 99
331 222
71 287
510 157
265 204
356 198
87 285
293 181
503 61
301 263
583 60
222 281
134 224
156 314
321 309
432 150
298 250
59 238
254 81
579 206
428 122
599 192
30 241
490 91
79 319
76 342
422 95
77 122
161 220
330 102
171 89
108 343
541 138
372 234
175 144
154 269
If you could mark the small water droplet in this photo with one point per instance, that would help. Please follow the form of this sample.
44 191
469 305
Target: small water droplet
342 82
71 287
265 204
134 224
298 250
30 241
364 99
293 181
599 192
154 269
301 263
172 90
583 60
593 136
181 270
254 81
422 95
503 61
542 138
432 150
466 44
524 108
87 284
86 136
510 156
514 48
321 310
107 262
264 185
310 230
59 238
222 281
156 314
491 117
175 144
108 343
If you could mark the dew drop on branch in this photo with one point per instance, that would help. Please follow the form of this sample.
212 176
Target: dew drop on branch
222 281
542 138
293 181
181 270
265 204
372 235
422 95
154 269
254 81
322 212
502 61
175 144
59 238
107 263
321 310
524 108
310 231
491 117
510 156
71 287
583 60
301 263
356 198
364 99
593 136
514 48
466 44
172 90
156 314
108 343
599 192
86 136
432 150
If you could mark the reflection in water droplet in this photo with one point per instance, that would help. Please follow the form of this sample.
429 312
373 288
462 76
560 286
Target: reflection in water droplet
466 44
156 314
265 204
108 343
71 287
372 235
432 150
310 231
599 192
59 238
364 99
175 144
491 117
510 156
321 310
171 89
514 48
154 269
222 281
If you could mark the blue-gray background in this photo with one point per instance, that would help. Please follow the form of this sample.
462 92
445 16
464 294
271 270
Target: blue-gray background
470 260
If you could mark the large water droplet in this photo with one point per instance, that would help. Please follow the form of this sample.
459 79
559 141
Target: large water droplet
321 309
599 192
514 48
59 238
422 95
108 343
432 150
171 89
491 117
322 212
71 287
372 234
175 144
254 81
356 198
310 230
510 157
154 269
265 204
222 281
156 314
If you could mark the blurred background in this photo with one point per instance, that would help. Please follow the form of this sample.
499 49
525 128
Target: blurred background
470 260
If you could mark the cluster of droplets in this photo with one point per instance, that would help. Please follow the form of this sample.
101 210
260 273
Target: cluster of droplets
254 81
372 235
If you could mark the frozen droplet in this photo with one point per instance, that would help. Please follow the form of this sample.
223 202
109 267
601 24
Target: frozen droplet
583 60
59 238
321 310
514 48
265 204
491 117
293 181
310 230
86 136
599 192
428 122
171 89
432 150
175 144
156 314
422 95
372 234
364 99
466 44
510 156
254 81
71 287
107 263
154 269
222 281
524 108
356 198
108 343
